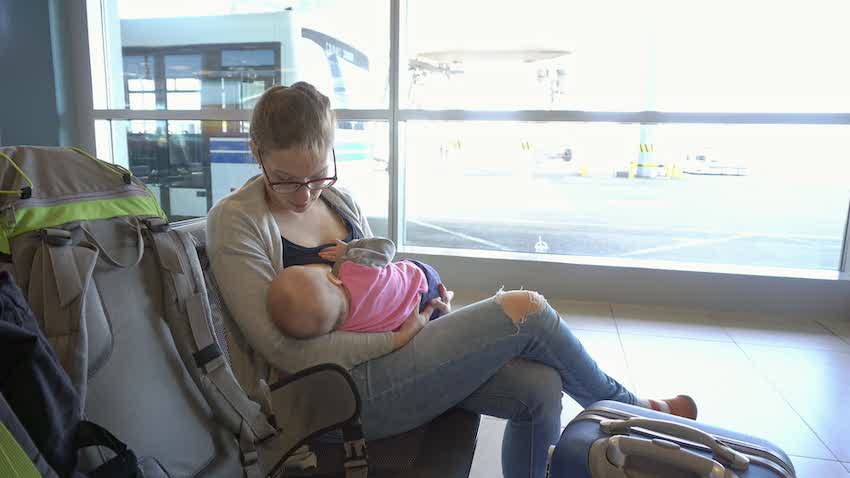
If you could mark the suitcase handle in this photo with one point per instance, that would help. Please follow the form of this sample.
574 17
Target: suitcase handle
677 430
621 447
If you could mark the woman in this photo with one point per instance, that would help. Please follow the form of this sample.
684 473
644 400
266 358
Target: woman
510 356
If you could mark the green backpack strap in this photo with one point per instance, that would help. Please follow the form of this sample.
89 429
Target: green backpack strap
14 462
7 211
26 191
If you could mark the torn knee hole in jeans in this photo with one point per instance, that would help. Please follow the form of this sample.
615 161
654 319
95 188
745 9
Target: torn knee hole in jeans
517 304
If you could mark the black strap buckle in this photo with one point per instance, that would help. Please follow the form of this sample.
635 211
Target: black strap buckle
206 355
26 192
156 224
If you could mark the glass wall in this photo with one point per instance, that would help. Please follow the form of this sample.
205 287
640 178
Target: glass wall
714 133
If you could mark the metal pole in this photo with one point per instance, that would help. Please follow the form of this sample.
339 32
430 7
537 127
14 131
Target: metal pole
395 217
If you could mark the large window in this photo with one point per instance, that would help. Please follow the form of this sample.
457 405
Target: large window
710 132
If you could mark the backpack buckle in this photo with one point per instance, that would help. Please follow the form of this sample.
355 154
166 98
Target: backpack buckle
206 355
356 462
57 237
249 458
156 224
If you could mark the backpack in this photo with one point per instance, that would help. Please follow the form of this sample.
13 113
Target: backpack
121 297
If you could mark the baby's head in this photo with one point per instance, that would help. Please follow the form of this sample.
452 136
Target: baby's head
304 303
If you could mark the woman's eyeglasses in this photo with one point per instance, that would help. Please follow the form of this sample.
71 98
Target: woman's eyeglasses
295 186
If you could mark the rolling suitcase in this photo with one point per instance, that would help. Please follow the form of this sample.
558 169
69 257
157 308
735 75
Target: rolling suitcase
614 440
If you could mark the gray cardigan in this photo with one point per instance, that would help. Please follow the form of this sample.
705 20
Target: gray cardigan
246 253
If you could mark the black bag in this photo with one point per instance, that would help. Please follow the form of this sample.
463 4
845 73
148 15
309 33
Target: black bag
39 392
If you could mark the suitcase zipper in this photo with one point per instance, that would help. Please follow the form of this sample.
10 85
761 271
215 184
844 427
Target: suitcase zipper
755 453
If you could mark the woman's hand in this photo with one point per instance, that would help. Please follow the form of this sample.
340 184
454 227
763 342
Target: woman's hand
411 326
334 252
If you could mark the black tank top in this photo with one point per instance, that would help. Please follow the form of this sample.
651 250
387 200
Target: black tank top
295 255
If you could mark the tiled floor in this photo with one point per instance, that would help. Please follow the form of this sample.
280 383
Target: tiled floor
782 379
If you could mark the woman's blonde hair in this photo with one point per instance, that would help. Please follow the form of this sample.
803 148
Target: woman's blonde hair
294 116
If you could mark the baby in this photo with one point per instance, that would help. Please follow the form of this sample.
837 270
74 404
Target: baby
364 291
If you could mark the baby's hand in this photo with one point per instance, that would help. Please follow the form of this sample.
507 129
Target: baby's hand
444 302
333 253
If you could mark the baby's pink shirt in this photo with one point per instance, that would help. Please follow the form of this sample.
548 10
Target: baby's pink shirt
381 297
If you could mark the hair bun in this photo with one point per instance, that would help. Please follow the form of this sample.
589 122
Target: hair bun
312 92
289 116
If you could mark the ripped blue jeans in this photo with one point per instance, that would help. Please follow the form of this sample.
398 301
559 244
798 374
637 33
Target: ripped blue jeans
477 358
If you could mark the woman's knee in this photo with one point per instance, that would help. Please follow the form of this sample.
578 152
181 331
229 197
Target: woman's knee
518 304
